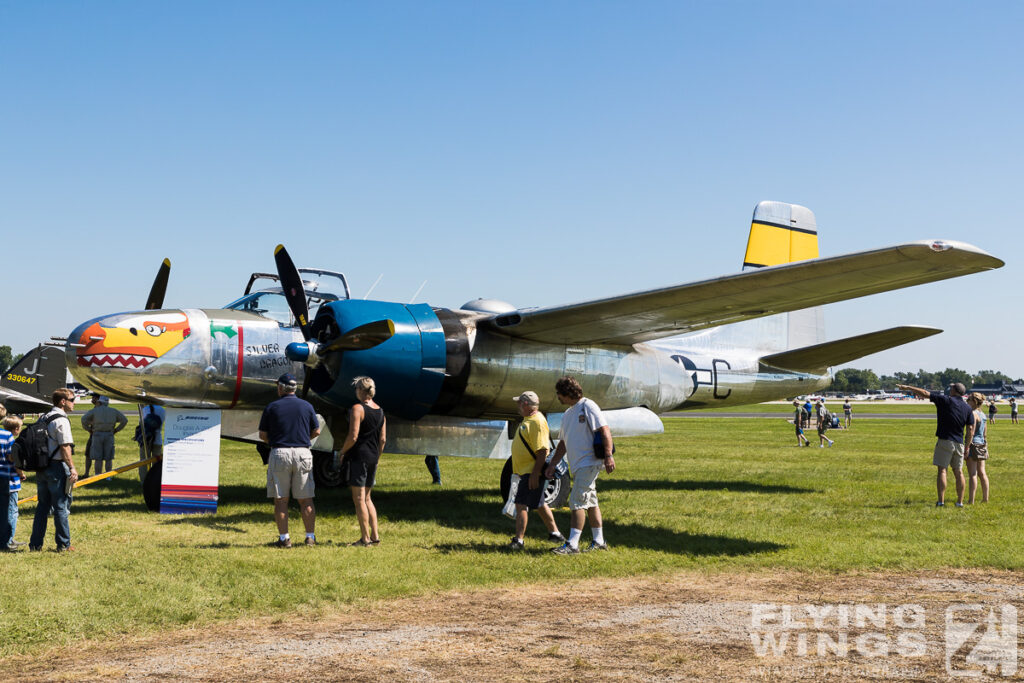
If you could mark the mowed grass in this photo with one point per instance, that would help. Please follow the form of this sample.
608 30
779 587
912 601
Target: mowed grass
710 494
836 407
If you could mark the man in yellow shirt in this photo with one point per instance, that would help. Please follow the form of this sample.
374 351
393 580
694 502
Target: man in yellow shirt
530 448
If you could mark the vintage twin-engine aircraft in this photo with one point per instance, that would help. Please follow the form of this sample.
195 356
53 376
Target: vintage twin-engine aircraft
446 377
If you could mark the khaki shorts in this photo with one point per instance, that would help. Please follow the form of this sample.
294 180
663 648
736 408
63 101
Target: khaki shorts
290 473
948 454
583 494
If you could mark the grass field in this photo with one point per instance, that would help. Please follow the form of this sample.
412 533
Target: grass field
875 407
713 495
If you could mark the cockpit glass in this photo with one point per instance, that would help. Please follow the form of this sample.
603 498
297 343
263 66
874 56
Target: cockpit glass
268 304
273 305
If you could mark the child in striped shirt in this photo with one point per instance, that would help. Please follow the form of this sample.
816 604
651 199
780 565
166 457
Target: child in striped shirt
10 483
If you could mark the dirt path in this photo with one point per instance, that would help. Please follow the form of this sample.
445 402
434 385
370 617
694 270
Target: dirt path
685 626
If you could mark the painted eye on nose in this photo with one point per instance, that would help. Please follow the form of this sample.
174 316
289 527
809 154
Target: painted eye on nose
153 330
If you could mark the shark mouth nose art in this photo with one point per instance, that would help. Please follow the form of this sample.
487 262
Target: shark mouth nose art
131 341
118 360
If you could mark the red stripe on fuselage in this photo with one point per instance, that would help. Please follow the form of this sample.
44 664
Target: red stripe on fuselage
238 376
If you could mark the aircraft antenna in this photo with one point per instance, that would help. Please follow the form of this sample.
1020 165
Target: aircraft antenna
418 292
373 286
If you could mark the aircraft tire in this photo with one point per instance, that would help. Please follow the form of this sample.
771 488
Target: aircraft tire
556 495
506 479
324 474
151 487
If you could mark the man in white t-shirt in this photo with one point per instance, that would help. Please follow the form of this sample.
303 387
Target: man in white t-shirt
580 422
53 485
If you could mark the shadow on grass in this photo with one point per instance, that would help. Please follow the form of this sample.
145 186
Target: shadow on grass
646 538
612 484
468 509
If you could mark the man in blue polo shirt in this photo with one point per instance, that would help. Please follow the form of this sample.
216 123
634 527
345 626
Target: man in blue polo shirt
953 416
289 425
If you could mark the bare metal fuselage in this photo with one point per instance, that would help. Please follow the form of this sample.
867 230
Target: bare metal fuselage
230 360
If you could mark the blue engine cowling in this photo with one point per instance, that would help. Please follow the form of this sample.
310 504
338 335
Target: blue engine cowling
408 368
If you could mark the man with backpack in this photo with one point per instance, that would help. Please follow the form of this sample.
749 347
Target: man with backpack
588 455
53 484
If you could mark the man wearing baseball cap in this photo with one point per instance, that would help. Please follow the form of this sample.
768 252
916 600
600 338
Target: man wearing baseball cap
530 449
289 425
953 416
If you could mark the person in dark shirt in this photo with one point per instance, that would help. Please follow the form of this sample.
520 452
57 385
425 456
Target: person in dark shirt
953 415
367 433
289 425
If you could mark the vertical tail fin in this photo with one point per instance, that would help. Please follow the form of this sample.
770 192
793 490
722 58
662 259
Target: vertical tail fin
783 233
37 374
779 233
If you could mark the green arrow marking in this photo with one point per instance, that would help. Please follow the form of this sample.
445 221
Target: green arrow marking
227 329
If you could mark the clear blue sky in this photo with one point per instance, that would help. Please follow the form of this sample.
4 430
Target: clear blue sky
586 148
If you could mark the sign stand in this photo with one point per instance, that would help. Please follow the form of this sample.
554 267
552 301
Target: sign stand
191 464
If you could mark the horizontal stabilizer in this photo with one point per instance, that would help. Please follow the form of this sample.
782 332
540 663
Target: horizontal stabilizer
657 313
815 359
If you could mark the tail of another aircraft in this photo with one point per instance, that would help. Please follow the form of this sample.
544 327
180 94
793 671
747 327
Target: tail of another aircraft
779 233
36 375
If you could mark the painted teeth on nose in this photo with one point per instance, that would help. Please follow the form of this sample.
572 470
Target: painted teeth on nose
116 360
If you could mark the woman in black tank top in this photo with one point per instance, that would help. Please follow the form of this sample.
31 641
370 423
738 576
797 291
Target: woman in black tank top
361 450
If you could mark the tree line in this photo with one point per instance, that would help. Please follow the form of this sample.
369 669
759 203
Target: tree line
6 359
855 381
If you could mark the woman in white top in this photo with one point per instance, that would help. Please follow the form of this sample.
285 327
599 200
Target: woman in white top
977 444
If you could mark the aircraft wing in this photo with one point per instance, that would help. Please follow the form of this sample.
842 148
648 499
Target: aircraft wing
657 313
820 356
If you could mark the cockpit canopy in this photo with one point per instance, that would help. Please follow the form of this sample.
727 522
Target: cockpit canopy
270 301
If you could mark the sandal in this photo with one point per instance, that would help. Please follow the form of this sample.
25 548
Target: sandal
376 542
361 543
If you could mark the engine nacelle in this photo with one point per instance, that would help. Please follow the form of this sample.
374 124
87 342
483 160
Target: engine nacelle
408 368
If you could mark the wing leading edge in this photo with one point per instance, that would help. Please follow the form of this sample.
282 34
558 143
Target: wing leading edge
657 313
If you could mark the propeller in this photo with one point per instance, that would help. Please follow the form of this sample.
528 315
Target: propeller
155 300
311 352
294 292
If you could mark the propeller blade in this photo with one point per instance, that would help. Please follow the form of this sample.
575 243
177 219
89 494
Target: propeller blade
294 292
305 382
363 337
155 300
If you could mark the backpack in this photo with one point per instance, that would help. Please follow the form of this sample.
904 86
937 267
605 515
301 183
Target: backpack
825 418
149 428
31 449
599 445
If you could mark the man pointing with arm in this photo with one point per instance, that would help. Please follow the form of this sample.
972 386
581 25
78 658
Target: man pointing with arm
952 415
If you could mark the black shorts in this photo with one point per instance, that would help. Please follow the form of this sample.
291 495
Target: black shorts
360 473
531 498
